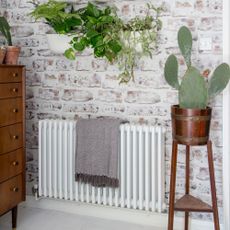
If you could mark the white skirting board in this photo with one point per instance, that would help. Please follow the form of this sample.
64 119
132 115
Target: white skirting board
113 213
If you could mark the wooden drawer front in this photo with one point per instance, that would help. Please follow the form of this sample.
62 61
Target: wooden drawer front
10 74
11 193
11 138
10 164
10 90
11 111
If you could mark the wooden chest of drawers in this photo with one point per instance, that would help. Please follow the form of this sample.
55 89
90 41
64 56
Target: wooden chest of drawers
12 139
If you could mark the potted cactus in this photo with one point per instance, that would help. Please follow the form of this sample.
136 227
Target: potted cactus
191 118
12 52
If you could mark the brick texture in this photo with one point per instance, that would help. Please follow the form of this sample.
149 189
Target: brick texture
59 88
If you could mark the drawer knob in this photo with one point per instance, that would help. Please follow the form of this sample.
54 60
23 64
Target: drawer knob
15 137
15 163
15 90
15 110
15 74
15 189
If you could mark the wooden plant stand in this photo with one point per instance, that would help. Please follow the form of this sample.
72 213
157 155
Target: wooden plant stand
189 203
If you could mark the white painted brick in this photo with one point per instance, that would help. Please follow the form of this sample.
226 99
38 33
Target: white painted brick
76 95
88 87
142 97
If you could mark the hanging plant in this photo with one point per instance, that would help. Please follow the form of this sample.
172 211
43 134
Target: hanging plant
104 32
139 39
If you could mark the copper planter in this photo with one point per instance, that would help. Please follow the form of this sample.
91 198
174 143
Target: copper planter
190 126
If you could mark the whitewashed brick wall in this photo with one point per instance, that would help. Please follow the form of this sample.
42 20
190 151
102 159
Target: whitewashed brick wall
59 88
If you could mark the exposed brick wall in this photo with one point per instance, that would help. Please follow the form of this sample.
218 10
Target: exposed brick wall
59 88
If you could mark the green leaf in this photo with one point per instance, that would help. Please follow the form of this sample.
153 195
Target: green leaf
70 54
75 39
115 46
5 30
96 41
78 46
92 10
171 71
106 19
99 51
219 80
185 44
73 22
92 33
107 11
92 20
193 92
84 41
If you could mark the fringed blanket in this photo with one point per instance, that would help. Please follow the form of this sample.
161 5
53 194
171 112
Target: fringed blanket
98 151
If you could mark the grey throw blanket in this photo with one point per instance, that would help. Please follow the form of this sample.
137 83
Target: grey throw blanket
97 155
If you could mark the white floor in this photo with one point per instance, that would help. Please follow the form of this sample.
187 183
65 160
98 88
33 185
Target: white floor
41 219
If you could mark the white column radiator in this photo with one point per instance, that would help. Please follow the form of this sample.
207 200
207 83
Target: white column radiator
141 167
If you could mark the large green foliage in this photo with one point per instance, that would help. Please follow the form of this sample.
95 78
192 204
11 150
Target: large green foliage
171 71
5 30
55 14
194 91
185 44
219 80
101 29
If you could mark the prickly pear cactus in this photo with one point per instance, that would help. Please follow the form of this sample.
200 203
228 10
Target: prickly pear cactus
185 44
219 80
193 91
171 71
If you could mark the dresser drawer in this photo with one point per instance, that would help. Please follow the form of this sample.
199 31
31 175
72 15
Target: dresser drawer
11 112
10 74
9 90
11 193
11 164
11 138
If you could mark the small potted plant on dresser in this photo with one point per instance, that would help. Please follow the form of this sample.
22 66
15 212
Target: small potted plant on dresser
191 121
12 52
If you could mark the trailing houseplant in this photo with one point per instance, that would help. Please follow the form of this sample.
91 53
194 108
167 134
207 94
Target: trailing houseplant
191 118
101 29
12 52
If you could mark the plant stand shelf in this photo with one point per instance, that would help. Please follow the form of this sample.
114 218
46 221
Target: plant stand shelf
188 203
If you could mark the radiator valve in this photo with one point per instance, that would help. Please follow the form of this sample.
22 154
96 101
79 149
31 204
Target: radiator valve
35 191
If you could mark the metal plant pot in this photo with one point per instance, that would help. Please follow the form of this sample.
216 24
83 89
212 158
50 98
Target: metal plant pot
190 126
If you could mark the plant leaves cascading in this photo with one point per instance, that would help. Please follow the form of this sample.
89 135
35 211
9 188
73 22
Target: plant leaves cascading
194 92
99 28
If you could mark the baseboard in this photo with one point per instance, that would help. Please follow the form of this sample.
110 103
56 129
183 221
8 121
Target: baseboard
112 213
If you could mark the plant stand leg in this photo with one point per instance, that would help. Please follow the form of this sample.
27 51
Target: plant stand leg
213 186
172 185
187 173
14 217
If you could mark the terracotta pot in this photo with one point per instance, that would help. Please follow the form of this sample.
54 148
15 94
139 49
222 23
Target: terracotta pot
191 126
2 54
12 54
